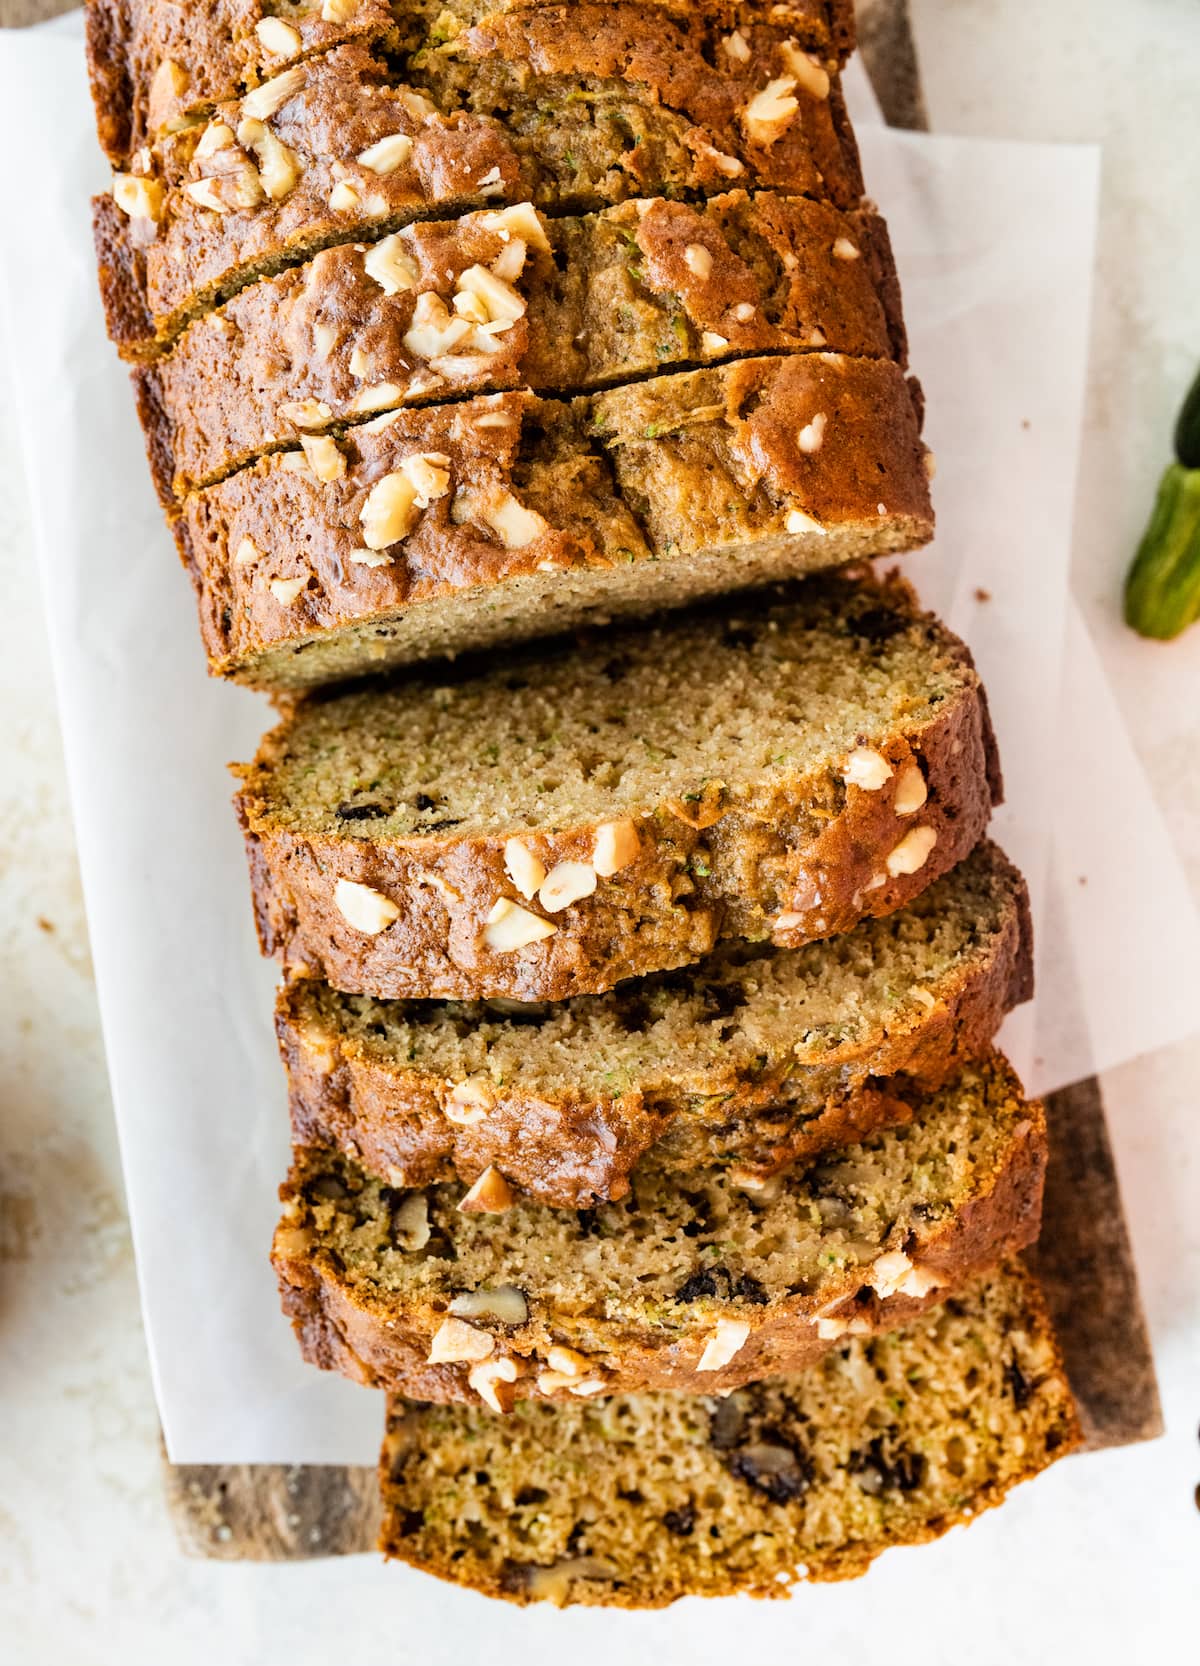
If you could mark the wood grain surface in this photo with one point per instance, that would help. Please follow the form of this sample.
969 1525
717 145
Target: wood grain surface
269 1513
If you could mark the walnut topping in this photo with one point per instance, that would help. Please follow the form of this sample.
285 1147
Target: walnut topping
867 769
370 558
727 1339
912 853
338 11
285 590
429 472
277 37
470 1101
699 260
711 342
305 413
894 1274
343 198
278 168
797 521
492 1380
141 199
362 363
324 458
830 1330
377 398
509 927
217 136
743 312
325 339
510 262
490 1195
455 1341
522 220
569 1361
523 868
167 87
843 249
911 791
810 75
617 845
567 882
789 920
263 101
514 524
769 113
727 165
387 154
246 553
410 1222
812 435
434 331
504 1304
364 908
390 511
486 299
491 184
737 47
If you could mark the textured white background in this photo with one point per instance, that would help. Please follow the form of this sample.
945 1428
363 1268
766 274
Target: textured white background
1098 1561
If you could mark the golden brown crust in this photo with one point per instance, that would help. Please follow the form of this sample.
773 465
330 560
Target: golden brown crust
377 1338
718 484
234 205
611 297
572 1149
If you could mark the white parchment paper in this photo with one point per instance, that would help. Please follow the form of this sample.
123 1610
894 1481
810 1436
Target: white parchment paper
994 244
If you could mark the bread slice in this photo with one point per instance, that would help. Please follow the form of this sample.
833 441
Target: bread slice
222 49
636 113
509 522
765 770
752 1060
634 1501
579 303
693 1283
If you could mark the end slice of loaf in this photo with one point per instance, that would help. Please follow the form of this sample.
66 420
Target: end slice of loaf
769 771
513 521
578 303
691 1282
635 1501
753 1059
155 65
573 108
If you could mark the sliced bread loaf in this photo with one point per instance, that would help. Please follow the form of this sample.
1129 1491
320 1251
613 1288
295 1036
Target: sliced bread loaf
155 64
558 305
693 1283
761 770
572 112
429 532
634 1501
753 1059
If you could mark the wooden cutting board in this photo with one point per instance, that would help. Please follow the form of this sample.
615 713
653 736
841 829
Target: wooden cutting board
268 1513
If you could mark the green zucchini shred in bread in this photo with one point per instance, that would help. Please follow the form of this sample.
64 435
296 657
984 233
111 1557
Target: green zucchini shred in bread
583 302
225 47
752 1059
690 1282
535 516
637 1500
572 109
768 769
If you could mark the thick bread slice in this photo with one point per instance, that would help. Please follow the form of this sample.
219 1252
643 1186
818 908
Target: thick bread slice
635 1501
695 1283
753 1059
568 305
154 63
509 522
280 174
759 770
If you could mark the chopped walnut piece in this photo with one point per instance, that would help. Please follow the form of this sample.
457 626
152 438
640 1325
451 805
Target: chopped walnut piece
727 1339
567 882
246 553
141 199
387 154
523 868
492 1380
867 769
830 1330
278 168
844 249
912 853
503 1303
285 590
390 511
324 458
509 927
469 1102
712 343
343 198
698 260
410 1221
277 37
769 113
305 413
455 1341
812 435
339 11
434 331
811 75
522 221
364 908
911 791
490 1195
429 473
495 301
263 101
617 845
797 521
737 47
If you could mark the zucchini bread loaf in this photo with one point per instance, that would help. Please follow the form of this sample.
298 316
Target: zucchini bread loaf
754 1059
155 64
765 771
573 108
636 1500
508 298
429 532
695 1282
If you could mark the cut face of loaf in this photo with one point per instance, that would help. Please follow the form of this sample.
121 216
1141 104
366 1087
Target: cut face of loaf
695 1283
753 1060
573 109
765 770
634 1501
154 64
455 527
559 305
